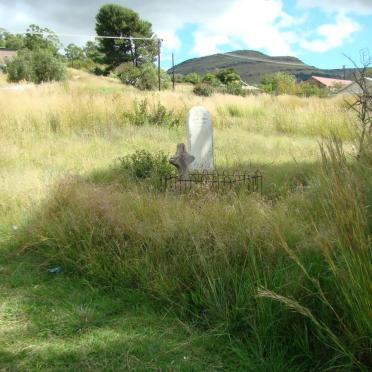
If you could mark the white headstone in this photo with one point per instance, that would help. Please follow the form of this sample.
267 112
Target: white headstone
200 138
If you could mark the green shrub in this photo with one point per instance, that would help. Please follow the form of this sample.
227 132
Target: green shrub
36 66
128 73
144 114
21 67
143 165
227 76
204 90
148 78
308 89
279 83
235 88
211 79
192 78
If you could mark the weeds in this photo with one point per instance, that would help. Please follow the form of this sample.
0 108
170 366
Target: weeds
158 115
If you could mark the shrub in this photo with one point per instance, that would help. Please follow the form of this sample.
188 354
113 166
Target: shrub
143 165
148 78
178 78
279 83
100 70
235 88
143 114
36 66
204 90
192 78
211 79
128 73
227 76
308 89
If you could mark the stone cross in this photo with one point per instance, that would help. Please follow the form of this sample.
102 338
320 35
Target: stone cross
200 138
181 160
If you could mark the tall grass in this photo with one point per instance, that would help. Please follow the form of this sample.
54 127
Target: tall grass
230 262
285 276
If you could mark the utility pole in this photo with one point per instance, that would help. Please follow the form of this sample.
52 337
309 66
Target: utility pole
344 68
173 71
159 80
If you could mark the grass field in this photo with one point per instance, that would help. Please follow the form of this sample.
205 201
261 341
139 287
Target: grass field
153 281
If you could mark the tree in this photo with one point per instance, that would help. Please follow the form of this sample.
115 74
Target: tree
210 79
38 66
74 53
116 20
192 78
148 78
41 38
227 76
279 83
362 106
12 41
92 52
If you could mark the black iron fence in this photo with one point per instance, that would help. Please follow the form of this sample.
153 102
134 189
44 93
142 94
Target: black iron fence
251 182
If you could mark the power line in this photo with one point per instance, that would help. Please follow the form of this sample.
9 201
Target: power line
92 36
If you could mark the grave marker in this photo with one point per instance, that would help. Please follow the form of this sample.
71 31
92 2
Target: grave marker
200 138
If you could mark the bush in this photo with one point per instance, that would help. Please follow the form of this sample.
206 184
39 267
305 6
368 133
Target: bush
204 90
144 165
192 78
279 83
148 78
235 88
36 66
143 114
227 76
308 89
100 70
211 79
128 73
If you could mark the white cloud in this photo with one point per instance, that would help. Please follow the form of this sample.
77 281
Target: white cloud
170 39
261 25
242 24
362 7
332 35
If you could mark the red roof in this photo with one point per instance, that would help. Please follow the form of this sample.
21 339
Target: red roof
328 82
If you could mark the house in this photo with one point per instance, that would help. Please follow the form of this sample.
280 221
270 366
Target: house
6 54
329 83
354 88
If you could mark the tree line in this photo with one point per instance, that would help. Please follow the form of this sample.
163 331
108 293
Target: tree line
41 58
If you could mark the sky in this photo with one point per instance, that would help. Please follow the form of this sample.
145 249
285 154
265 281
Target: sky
319 32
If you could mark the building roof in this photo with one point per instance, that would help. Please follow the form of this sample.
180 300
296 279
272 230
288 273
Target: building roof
328 82
6 53
354 88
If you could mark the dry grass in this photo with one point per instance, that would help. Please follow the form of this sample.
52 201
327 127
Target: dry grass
80 125
203 255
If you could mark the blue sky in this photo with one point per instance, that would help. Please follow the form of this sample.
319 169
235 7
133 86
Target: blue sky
318 32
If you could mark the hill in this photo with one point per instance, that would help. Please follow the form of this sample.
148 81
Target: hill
251 65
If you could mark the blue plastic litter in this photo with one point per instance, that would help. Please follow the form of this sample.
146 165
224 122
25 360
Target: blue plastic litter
55 270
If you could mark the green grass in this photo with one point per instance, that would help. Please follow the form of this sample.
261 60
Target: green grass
168 282
61 322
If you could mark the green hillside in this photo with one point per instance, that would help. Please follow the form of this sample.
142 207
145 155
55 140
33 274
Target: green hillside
251 65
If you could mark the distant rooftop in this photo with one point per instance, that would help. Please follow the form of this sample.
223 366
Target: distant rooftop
329 82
